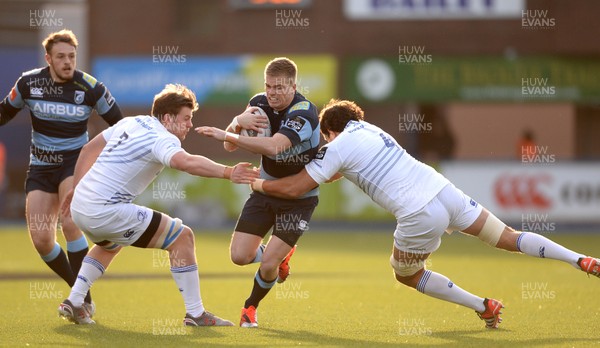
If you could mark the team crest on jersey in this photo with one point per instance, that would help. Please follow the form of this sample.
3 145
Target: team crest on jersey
295 123
321 153
79 96
300 106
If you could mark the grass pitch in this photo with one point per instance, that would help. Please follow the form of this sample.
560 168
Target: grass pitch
341 293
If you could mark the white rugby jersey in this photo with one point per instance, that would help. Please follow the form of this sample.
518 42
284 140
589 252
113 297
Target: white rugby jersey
373 160
137 149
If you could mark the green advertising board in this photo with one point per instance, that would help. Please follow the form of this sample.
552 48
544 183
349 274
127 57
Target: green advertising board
415 76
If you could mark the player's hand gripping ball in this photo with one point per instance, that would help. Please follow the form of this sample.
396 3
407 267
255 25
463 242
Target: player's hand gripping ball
264 132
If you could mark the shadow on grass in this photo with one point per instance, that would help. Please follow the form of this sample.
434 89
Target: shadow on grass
503 338
314 338
103 336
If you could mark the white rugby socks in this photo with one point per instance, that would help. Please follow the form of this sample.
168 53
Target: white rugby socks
89 272
536 245
438 286
188 282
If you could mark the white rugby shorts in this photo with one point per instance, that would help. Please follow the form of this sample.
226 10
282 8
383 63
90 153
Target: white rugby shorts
450 209
121 224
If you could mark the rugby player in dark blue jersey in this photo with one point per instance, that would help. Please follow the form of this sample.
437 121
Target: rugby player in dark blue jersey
295 127
60 100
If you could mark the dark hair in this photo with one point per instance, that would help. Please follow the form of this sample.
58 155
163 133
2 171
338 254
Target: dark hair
64 35
171 99
337 113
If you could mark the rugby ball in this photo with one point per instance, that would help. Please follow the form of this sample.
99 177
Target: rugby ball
264 132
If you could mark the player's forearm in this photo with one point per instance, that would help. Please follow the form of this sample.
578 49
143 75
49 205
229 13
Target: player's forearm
202 166
288 187
264 146
5 115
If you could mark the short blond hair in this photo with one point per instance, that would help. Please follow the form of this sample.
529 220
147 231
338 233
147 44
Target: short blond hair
64 35
282 66
171 99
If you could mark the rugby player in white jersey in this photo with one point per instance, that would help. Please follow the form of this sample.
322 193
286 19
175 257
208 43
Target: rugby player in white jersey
423 201
118 165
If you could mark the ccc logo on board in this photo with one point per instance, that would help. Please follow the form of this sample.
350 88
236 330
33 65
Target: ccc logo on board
522 191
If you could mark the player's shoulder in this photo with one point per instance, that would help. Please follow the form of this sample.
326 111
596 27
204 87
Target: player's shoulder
260 100
86 79
301 105
33 72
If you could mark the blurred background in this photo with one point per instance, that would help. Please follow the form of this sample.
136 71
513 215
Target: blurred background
501 96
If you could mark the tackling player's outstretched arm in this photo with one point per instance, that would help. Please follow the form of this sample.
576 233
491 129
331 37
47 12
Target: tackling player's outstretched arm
241 173
269 146
292 186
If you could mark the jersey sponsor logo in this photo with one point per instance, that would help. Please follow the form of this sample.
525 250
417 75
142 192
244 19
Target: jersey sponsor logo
295 123
300 106
90 80
522 191
48 109
110 100
36 92
79 95
321 153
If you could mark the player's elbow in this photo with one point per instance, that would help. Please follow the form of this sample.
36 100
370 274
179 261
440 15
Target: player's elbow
229 146
272 151
293 191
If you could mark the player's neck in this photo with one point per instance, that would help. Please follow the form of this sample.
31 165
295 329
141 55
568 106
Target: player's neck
55 77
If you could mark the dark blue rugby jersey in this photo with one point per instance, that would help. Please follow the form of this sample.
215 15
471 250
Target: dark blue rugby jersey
299 122
59 111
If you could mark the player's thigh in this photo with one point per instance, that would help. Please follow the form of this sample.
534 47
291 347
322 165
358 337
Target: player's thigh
421 232
170 234
255 221
244 244
464 211
70 230
292 218
42 215
118 224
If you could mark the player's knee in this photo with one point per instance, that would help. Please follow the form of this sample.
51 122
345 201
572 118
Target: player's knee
185 240
43 240
69 227
241 256
492 229
407 272
187 237
269 264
